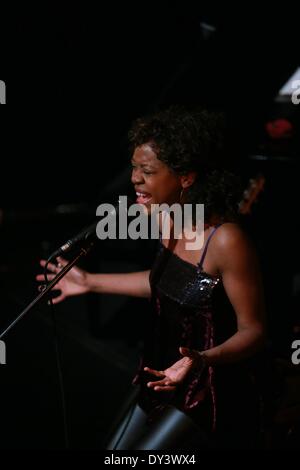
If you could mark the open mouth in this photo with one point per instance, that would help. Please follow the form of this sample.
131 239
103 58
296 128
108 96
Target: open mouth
143 198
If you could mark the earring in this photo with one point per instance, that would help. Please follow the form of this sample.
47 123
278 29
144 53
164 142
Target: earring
180 198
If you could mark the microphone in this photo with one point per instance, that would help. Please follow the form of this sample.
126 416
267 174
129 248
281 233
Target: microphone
88 234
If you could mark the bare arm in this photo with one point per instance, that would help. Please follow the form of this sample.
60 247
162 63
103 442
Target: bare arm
133 284
238 265
78 282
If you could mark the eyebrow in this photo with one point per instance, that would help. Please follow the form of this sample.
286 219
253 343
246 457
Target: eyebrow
143 164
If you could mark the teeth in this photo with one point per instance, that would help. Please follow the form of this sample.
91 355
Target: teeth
142 194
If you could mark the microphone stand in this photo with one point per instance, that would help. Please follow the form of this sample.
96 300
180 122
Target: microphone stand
83 252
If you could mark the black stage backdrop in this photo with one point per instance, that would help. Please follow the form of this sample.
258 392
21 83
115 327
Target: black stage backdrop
76 76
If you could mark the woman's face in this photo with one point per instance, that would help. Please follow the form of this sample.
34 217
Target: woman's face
154 182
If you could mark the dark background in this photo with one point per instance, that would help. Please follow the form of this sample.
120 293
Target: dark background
76 77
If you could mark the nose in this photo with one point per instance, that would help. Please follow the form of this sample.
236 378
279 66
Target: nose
136 176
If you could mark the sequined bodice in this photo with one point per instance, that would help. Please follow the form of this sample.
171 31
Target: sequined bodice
191 286
185 299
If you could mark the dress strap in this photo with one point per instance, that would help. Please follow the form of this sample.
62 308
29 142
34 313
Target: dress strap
206 245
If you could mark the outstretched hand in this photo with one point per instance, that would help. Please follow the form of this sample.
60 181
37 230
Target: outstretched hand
73 283
170 378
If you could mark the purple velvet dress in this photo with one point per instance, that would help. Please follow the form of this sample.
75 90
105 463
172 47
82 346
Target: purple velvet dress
191 309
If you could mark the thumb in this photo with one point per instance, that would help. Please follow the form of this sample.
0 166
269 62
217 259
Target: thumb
188 352
61 261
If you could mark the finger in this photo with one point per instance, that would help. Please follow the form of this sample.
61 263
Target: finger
58 299
41 277
159 383
61 261
169 388
52 267
157 373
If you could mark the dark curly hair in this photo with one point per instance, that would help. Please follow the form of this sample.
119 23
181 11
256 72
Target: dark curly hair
194 140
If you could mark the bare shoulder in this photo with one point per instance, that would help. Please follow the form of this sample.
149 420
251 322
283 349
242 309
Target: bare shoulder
230 245
229 234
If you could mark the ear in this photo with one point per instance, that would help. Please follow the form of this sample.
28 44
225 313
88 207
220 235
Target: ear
188 179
